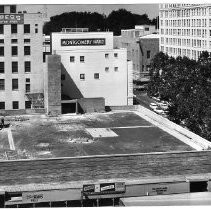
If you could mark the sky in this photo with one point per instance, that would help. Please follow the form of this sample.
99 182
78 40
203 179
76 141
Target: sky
54 9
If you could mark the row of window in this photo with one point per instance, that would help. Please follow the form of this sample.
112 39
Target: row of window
185 42
14 50
15 85
186 23
27 67
96 76
185 32
188 12
14 28
162 6
12 9
15 105
15 41
82 58
181 52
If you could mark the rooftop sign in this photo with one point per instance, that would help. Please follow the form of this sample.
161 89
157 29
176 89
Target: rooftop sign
8 19
83 42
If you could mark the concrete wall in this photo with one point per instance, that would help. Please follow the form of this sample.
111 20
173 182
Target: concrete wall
52 80
130 82
87 105
36 74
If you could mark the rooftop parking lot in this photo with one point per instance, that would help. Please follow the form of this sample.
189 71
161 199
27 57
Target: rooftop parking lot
122 132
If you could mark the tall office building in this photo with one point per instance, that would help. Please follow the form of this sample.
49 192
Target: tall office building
185 29
21 58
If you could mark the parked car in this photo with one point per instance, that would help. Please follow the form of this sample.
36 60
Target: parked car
153 105
158 111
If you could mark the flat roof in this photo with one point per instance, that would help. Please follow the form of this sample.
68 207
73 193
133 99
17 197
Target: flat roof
67 151
122 132
73 172
150 36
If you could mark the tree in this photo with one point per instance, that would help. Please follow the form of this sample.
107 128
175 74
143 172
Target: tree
186 84
116 20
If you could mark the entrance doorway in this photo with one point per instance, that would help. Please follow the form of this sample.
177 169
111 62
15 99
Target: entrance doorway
69 106
199 186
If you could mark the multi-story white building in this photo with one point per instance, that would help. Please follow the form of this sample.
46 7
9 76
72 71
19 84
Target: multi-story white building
92 68
185 29
21 57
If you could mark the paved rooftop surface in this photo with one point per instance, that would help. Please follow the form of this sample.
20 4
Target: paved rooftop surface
69 136
126 167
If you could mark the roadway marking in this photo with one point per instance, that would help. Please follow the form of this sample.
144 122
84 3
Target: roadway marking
10 139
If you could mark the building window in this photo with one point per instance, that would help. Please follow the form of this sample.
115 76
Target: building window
142 68
106 68
14 41
2 105
12 9
82 59
1 51
116 55
26 40
14 28
27 85
27 66
14 67
15 105
1 8
26 28
148 53
82 76
36 30
146 29
2 84
14 50
27 50
148 67
116 68
72 59
14 84
1 67
1 29
106 55
63 77
28 104
1 41
97 76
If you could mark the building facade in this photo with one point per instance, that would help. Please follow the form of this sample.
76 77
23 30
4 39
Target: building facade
129 39
21 58
149 47
92 68
185 29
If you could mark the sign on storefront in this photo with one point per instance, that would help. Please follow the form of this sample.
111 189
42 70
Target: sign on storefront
8 19
104 188
83 42
32 197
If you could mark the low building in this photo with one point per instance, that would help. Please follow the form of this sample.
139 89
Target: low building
90 68
130 39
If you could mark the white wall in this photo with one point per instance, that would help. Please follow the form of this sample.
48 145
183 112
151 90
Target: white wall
112 85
